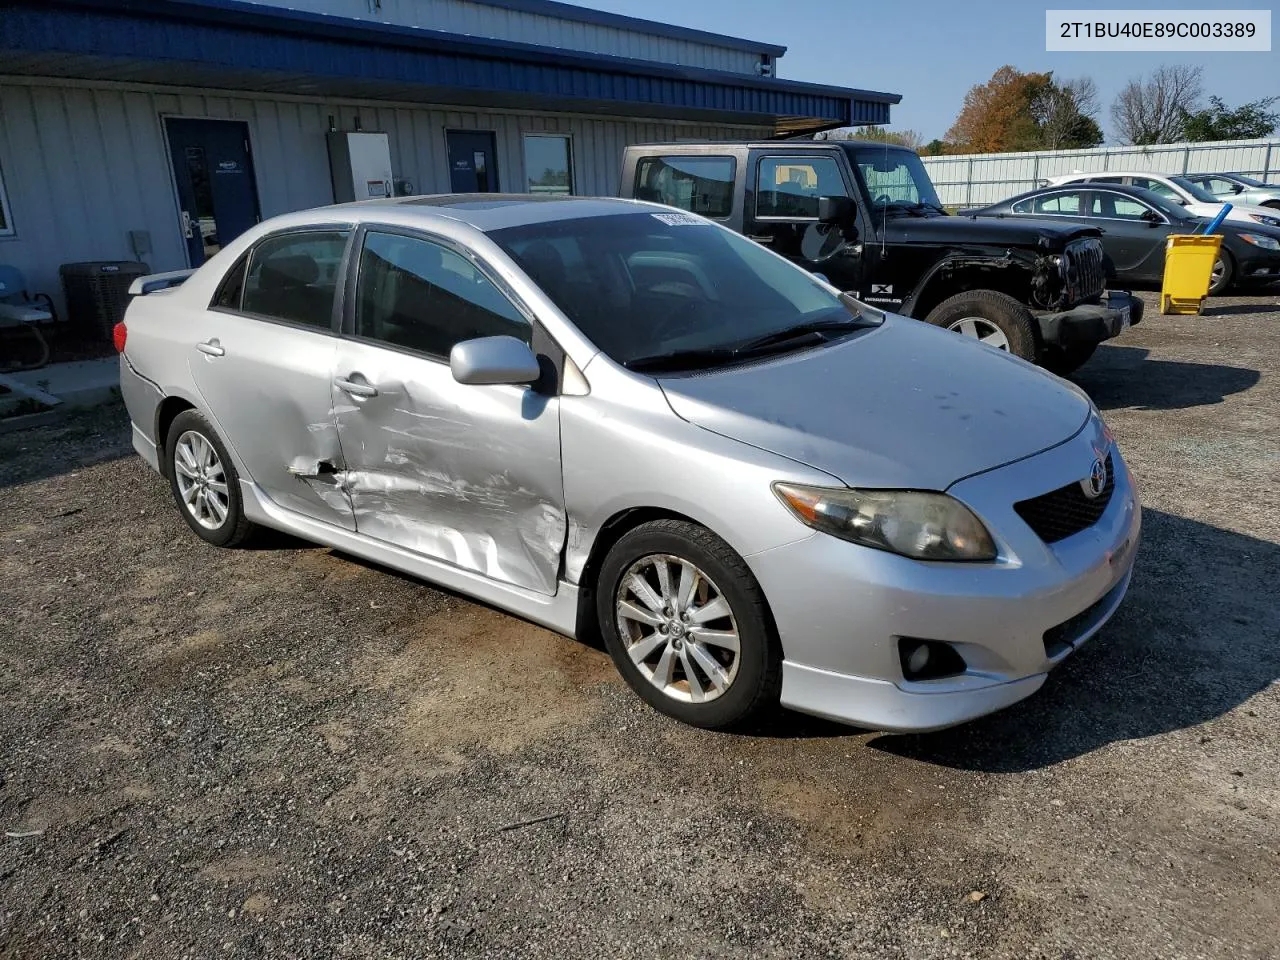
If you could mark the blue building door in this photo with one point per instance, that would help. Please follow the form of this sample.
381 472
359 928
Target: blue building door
217 196
473 161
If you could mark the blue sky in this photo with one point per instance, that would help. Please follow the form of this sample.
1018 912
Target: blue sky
933 51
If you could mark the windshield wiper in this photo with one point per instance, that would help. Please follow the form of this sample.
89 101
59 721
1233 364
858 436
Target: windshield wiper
814 328
814 331
683 360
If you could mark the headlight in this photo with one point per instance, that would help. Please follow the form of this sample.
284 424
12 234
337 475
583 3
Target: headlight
923 526
1266 243
1261 218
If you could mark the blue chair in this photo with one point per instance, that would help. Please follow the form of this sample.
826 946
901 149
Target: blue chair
21 309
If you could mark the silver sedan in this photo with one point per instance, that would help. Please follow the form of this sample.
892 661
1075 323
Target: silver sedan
613 418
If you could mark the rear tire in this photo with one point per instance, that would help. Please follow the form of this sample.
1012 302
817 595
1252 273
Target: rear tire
204 482
994 317
657 635
1223 271
1065 360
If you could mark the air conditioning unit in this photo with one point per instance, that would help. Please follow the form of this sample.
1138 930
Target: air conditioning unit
97 293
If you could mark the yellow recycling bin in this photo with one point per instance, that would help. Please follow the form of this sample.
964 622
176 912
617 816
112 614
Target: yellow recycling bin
1188 270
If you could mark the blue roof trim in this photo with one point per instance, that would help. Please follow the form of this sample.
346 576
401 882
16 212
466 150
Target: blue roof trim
248 36
569 11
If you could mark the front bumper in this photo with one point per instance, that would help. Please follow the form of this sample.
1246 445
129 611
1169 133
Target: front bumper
1091 323
841 609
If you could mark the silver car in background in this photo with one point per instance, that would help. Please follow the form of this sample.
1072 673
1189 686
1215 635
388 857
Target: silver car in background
611 417
1237 188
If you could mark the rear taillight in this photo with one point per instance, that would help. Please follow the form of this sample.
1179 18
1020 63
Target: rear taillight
118 334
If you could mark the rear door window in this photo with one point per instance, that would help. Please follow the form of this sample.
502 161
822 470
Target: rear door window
789 187
292 277
702 185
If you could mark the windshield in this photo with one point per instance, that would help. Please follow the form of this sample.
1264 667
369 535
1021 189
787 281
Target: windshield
1199 192
894 177
643 284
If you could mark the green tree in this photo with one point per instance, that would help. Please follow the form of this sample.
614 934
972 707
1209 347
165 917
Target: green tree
1216 122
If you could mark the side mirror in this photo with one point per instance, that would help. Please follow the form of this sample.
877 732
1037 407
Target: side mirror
1236 188
835 210
1153 219
1180 201
490 360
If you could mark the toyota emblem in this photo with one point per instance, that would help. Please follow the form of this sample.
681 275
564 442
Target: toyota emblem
1096 482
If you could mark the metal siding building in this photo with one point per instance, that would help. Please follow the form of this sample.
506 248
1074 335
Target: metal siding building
91 93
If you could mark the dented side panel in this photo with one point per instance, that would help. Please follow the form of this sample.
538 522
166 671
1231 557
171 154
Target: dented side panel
269 394
465 474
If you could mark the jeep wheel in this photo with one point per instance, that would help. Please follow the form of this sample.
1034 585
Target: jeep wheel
992 317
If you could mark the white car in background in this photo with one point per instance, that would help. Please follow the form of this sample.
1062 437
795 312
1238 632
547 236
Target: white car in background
1197 201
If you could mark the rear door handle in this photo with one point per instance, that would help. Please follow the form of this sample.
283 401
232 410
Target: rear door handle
211 348
357 388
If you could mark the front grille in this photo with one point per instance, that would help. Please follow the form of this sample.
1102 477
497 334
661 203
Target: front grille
1066 511
1086 275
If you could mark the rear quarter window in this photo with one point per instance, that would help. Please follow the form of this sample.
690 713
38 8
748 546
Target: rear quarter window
702 185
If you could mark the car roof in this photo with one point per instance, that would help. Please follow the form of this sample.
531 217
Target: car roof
482 211
1122 173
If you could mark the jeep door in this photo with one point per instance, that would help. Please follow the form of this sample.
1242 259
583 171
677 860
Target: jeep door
462 473
781 212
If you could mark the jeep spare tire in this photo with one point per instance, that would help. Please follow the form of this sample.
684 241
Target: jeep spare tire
992 317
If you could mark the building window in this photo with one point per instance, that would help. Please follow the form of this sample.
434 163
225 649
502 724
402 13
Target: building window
6 220
701 185
548 164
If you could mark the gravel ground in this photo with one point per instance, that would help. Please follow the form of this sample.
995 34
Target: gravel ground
283 752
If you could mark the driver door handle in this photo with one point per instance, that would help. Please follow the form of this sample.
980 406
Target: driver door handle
357 388
211 348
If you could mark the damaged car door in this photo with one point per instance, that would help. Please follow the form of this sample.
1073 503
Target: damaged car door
466 474
262 357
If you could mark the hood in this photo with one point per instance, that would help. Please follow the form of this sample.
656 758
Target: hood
905 405
1046 236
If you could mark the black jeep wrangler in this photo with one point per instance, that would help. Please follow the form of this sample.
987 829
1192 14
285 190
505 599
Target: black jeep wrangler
866 217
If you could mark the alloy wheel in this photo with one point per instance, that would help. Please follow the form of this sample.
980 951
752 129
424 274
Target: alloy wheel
981 329
678 628
202 481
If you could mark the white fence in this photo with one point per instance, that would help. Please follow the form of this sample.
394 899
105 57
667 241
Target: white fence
982 178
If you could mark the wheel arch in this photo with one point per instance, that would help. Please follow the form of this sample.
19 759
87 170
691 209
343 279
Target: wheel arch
166 413
960 273
611 531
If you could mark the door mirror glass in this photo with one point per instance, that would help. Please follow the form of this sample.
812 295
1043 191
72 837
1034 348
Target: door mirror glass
835 210
492 360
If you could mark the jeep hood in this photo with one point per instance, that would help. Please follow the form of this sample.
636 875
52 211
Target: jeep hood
1041 235
904 405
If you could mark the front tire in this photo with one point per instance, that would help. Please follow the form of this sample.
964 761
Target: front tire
687 625
204 482
1223 270
992 317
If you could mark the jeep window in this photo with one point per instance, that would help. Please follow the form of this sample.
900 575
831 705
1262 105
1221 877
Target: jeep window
702 185
895 177
788 188
1061 204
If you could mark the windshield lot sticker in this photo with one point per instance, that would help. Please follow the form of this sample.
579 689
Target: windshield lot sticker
679 219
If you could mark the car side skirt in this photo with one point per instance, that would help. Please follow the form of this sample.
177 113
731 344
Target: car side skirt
558 612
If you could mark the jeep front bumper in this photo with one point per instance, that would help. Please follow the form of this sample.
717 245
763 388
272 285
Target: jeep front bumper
1091 323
